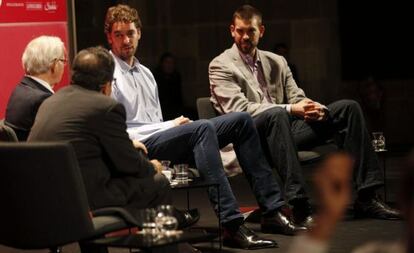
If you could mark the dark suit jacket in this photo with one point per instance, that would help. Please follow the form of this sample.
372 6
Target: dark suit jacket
112 169
23 105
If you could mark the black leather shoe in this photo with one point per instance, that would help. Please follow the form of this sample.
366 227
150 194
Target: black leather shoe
187 218
375 208
246 239
308 222
280 223
302 213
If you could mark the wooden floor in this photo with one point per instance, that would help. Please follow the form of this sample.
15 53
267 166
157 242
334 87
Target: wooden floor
350 233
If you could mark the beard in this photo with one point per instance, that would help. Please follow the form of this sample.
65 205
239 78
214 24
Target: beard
246 47
127 52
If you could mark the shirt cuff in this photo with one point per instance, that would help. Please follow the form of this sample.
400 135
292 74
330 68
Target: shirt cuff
289 108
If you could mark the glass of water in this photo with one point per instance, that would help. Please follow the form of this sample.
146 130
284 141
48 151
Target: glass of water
378 141
181 173
165 219
149 226
166 169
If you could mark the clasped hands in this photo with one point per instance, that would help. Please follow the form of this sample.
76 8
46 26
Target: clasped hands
309 110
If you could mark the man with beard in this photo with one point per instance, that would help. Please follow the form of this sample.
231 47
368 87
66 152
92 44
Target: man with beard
183 141
246 79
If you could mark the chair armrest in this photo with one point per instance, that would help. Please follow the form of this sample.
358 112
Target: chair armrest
119 212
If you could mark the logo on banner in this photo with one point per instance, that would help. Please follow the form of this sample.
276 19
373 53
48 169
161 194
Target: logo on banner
34 6
50 6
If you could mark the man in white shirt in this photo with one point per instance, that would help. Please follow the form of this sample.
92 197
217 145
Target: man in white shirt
183 141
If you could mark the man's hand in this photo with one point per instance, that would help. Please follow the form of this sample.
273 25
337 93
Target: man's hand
157 165
333 185
181 121
140 145
316 112
309 110
299 109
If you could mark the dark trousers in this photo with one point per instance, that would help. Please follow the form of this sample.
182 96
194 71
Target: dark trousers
282 134
199 143
155 191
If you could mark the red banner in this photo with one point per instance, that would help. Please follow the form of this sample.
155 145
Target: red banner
15 11
46 18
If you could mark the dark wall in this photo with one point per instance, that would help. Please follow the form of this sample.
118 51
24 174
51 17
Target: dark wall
374 39
196 31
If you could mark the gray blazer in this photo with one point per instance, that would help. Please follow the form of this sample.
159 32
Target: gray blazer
234 88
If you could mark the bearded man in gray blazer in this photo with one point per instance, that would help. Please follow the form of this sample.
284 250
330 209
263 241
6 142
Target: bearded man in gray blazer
246 79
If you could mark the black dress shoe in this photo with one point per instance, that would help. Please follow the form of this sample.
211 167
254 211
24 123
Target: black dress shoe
245 238
308 222
187 218
302 213
280 223
375 208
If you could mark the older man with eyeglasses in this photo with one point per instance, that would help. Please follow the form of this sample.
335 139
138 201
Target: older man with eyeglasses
43 60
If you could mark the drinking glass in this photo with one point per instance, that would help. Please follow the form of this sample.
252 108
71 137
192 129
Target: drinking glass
149 226
378 141
181 173
166 169
165 164
165 219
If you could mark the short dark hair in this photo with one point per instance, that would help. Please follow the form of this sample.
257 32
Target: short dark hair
121 13
247 12
92 68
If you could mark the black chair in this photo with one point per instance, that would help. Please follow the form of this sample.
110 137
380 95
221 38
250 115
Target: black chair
7 133
43 199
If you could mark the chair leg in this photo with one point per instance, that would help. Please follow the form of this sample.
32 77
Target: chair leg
92 248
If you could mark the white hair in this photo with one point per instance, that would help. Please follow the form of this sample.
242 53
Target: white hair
40 53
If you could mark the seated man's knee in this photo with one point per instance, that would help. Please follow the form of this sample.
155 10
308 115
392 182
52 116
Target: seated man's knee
349 104
277 112
241 117
204 125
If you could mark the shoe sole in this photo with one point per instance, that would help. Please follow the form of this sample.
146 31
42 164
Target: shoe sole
367 216
275 230
233 244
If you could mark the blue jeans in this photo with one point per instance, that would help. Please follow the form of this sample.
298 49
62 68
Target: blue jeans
199 143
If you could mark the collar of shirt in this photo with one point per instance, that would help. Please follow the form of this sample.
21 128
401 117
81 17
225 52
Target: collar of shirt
43 83
125 66
251 61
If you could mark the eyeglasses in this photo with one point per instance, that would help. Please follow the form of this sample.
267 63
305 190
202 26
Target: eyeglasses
63 60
